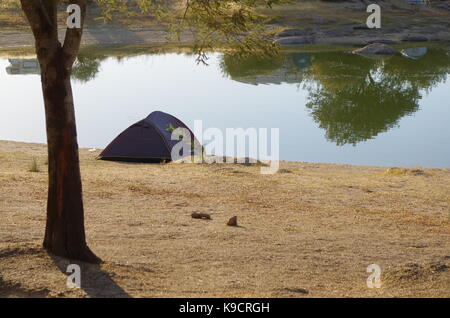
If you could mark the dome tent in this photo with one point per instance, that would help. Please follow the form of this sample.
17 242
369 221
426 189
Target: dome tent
148 141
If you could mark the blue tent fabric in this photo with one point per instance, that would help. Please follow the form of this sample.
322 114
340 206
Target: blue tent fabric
149 140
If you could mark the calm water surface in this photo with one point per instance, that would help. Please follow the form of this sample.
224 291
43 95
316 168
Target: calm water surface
330 107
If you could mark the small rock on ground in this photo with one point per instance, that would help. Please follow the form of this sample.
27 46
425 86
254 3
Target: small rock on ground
232 221
203 216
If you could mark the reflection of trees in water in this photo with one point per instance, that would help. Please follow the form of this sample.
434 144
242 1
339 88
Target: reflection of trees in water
355 98
261 70
424 73
86 67
250 66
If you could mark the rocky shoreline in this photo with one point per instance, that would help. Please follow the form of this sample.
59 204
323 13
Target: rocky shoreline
340 24
359 34
289 37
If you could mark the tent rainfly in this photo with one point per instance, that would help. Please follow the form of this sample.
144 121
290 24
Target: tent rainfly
148 141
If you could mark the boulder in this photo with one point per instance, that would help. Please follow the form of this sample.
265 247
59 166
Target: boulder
382 41
376 49
322 20
295 40
293 32
415 38
400 25
347 31
361 27
390 30
437 28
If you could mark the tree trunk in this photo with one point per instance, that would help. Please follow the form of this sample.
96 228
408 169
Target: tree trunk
64 232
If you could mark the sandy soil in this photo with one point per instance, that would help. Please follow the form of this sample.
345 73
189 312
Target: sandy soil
310 230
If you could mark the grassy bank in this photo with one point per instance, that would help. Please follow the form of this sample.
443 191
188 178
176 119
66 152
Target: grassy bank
309 230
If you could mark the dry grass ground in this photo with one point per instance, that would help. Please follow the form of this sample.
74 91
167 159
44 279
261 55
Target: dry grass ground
310 230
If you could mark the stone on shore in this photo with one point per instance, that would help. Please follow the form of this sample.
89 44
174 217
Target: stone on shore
376 49
293 32
361 26
415 38
295 40
382 41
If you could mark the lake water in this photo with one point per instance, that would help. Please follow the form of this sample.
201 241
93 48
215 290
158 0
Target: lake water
330 107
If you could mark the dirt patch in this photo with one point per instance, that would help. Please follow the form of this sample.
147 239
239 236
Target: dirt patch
418 276
403 171
145 190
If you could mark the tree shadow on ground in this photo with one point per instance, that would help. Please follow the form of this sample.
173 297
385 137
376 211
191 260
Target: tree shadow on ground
95 281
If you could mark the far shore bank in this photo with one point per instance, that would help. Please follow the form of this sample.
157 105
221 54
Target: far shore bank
23 40
302 23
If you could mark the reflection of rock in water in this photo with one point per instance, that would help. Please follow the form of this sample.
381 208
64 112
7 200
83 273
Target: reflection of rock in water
302 60
282 75
414 52
23 67
290 70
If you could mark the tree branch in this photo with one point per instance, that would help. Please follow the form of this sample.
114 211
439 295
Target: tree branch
72 40
42 17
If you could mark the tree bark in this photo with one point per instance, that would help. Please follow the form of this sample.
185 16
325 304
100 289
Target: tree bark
64 232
